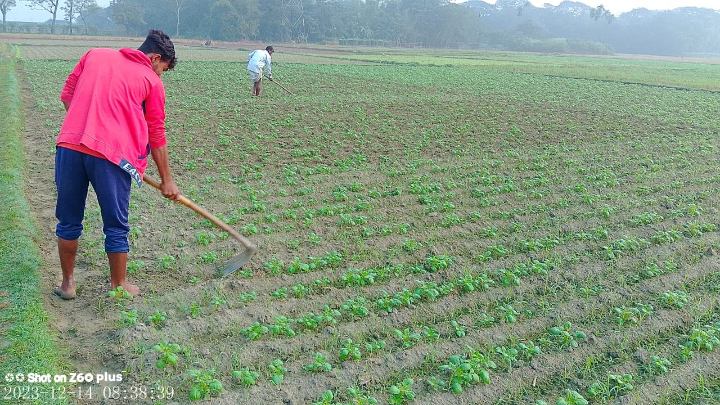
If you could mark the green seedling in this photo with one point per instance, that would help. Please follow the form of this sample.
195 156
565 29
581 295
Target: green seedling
614 386
245 377
299 290
277 371
217 302
704 338
509 313
485 321
167 261
275 265
459 329
281 293
248 296
360 399
119 294
632 315
430 334
356 308
565 337
281 327
402 392
204 384
326 399
157 318
406 337
508 355
659 365
350 351
255 331
129 318
319 365
571 397
462 373
168 354
528 349
674 299
375 345
134 265
193 309
438 262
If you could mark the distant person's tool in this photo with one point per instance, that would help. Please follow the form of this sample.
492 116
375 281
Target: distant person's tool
281 86
234 263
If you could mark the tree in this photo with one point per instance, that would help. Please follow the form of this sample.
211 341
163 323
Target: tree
5 6
130 14
84 9
51 6
178 9
601 12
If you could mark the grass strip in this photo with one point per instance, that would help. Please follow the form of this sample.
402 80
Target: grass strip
27 345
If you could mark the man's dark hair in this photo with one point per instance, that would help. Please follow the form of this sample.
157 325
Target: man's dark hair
269 48
159 42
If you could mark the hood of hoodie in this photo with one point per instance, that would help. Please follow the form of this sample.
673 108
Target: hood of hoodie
136 56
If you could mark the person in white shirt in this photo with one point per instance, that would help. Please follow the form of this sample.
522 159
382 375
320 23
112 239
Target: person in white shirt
257 60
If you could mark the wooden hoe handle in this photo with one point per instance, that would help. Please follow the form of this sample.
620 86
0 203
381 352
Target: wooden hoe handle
220 224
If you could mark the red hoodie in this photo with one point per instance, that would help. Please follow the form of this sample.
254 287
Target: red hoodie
117 108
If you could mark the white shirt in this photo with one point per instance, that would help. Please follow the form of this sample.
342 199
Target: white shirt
257 60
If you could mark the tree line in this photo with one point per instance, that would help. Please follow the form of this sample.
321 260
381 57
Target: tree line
570 27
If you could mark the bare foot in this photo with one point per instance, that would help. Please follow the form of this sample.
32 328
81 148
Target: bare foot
66 293
132 289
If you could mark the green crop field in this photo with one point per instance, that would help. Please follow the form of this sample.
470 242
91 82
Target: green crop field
476 228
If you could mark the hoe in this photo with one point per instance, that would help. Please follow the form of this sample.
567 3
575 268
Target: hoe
234 263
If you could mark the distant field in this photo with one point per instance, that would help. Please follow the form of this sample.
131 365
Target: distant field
469 228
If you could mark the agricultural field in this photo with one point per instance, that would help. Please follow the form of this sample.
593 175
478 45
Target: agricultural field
491 229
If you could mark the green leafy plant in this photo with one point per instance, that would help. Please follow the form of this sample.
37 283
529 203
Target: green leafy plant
157 318
248 296
565 336
255 331
216 302
193 309
459 329
406 337
203 384
659 365
129 318
528 349
614 386
571 397
509 313
319 364
402 392
326 399
277 371
359 398
350 350
119 294
245 376
282 327
508 355
168 354
355 308
374 345
674 299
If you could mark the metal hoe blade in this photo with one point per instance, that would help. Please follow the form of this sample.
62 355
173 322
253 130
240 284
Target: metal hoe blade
238 261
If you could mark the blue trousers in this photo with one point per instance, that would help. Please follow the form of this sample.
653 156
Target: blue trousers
74 171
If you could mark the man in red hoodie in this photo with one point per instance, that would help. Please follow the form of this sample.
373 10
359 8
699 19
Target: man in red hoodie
115 103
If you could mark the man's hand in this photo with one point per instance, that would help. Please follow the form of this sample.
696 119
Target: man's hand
170 190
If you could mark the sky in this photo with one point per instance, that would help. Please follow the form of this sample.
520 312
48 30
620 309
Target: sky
618 7
22 12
